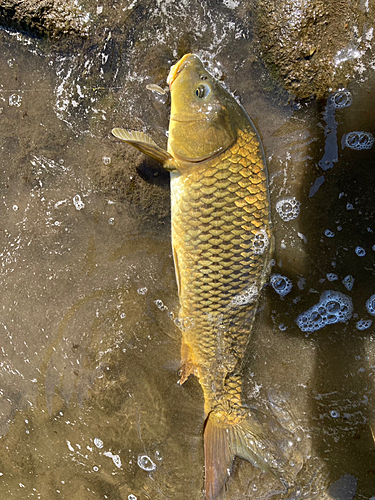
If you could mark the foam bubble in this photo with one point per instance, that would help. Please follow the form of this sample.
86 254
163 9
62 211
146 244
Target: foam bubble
115 458
260 242
370 305
332 277
159 303
98 443
348 282
363 324
281 284
247 296
78 203
288 208
146 463
333 307
342 99
15 100
360 251
358 140
329 233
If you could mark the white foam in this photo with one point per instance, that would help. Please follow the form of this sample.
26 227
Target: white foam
333 307
146 463
260 242
342 99
247 296
358 140
281 284
288 208
370 305
363 324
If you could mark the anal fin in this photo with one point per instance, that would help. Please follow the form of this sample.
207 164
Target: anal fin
188 367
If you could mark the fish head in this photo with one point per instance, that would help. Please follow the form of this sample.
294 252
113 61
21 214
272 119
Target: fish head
204 116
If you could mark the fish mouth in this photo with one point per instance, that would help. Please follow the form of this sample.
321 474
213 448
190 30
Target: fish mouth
178 67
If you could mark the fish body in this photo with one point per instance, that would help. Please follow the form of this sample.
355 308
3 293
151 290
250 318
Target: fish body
221 239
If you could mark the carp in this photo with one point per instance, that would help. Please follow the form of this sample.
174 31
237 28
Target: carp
221 240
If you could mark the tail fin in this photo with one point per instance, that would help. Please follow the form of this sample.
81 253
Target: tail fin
223 441
218 456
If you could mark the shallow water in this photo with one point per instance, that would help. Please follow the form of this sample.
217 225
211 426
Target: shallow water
90 406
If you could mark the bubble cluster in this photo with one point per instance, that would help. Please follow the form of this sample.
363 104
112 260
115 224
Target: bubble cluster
370 305
333 307
78 203
332 277
288 208
146 463
281 284
98 443
260 242
363 324
348 282
15 100
358 140
342 99
115 458
159 303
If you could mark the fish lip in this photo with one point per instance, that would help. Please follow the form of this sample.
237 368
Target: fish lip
178 67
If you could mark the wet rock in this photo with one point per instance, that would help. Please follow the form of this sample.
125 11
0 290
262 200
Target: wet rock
51 18
305 43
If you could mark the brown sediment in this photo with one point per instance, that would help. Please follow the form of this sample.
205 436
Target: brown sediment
300 42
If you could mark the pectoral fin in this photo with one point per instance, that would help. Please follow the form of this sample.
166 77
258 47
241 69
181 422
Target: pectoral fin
145 144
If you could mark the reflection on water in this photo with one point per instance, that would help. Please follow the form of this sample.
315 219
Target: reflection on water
89 357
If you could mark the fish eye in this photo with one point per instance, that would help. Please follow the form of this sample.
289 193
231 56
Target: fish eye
203 77
202 91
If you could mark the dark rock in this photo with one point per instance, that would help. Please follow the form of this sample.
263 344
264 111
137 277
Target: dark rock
51 18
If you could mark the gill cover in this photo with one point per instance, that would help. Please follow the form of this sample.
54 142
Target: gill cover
204 116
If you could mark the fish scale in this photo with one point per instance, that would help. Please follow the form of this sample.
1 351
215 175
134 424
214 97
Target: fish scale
220 247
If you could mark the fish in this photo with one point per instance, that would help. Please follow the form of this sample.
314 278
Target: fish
222 243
